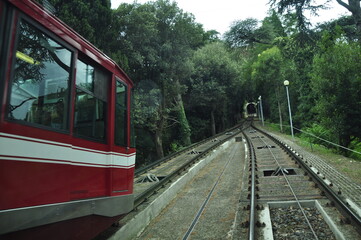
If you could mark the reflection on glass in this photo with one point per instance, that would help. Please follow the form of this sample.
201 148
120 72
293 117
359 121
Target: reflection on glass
91 101
89 116
85 76
40 86
120 114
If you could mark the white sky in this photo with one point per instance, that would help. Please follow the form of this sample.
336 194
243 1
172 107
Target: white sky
219 15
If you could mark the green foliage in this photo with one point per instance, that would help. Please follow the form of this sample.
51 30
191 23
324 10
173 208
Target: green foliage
299 7
298 58
272 126
268 74
185 131
147 99
356 146
336 81
319 131
345 23
215 82
247 32
182 72
175 147
92 19
267 69
155 43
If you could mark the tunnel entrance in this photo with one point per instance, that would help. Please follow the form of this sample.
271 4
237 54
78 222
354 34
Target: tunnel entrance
251 109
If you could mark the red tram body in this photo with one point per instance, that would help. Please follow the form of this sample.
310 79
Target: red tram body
66 148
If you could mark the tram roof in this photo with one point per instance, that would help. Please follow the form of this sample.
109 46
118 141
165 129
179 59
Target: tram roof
40 14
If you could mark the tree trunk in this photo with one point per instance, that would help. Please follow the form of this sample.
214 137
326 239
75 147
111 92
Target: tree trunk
213 123
159 142
185 130
356 14
354 7
224 120
160 129
358 26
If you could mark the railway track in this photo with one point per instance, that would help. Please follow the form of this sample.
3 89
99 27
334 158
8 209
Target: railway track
255 192
282 183
152 179
205 208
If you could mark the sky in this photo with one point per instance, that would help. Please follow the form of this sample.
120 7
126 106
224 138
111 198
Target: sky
219 15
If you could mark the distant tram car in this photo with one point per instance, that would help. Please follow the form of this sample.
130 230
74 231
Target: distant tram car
67 153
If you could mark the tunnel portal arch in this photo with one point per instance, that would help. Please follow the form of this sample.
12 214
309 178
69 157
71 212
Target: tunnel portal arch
250 110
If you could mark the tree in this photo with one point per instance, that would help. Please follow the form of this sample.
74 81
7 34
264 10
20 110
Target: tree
300 6
215 83
157 39
274 25
267 74
336 81
246 32
92 19
298 56
354 7
345 23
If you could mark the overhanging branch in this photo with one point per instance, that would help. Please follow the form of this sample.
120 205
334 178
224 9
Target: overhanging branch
345 5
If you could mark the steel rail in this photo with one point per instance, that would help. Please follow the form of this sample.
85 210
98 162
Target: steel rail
139 199
252 214
342 206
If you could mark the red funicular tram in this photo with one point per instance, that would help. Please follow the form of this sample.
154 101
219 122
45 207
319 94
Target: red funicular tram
66 151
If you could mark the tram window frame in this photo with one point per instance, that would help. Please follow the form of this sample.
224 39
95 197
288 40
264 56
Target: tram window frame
3 18
132 127
93 93
5 15
68 92
121 140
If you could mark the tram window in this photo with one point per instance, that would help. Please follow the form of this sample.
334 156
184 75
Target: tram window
41 73
120 114
91 101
